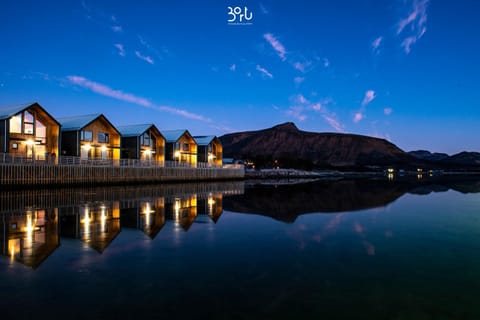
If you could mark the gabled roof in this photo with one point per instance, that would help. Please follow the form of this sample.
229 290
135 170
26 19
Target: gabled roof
9 111
77 123
173 135
204 140
134 130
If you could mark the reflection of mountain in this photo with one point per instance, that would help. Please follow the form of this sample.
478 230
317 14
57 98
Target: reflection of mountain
287 202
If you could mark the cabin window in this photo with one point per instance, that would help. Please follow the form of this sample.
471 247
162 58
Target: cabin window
102 137
16 123
40 132
177 146
86 135
186 147
145 140
28 123
14 145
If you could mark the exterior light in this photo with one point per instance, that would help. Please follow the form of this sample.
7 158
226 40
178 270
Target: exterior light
103 148
177 154
29 142
87 147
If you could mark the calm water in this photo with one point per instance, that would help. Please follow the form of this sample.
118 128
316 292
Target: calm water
359 249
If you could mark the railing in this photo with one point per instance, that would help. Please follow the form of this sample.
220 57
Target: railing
95 162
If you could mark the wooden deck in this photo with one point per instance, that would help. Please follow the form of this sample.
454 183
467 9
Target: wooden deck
65 175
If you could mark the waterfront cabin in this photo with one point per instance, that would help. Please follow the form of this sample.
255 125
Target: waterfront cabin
180 147
209 150
142 142
29 131
90 136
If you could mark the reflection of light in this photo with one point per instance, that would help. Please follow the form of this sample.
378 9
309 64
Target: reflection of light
87 146
12 252
211 202
103 218
391 170
29 229
86 222
390 176
419 170
147 211
419 176
103 148
177 209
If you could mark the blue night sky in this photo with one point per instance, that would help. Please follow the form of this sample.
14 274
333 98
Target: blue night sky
403 70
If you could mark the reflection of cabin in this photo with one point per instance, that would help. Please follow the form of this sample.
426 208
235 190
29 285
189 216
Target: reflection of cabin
31 237
143 141
209 150
180 147
90 136
95 224
147 216
182 210
28 130
211 206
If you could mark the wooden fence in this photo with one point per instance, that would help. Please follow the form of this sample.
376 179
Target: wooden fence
51 174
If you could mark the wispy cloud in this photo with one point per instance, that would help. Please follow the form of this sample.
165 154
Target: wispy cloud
369 96
264 71
121 49
302 66
387 111
152 49
144 58
105 90
301 107
298 80
416 20
263 9
276 45
233 67
117 28
376 44
326 62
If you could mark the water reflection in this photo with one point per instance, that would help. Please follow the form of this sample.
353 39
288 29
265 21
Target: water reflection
287 202
30 233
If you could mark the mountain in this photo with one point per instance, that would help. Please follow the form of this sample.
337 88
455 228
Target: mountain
427 155
292 147
464 159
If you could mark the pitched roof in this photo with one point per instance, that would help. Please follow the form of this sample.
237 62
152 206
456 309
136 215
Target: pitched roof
9 111
77 122
204 140
134 130
173 135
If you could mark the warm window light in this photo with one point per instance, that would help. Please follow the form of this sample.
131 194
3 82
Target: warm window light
103 148
177 154
87 147
148 151
29 142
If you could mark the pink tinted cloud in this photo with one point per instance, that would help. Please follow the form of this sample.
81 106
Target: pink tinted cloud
369 96
276 45
105 90
387 111
117 29
121 49
416 20
298 80
233 67
144 58
264 71
333 122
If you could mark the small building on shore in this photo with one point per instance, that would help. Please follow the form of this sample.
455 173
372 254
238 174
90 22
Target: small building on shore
142 142
28 130
180 147
90 136
209 150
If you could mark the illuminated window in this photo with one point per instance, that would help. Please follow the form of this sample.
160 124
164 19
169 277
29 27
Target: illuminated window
40 132
28 123
186 147
16 123
14 145
86 135
102 137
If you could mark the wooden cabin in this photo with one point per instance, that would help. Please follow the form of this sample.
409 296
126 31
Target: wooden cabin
180 147
143 142
90 136
28 130
209 150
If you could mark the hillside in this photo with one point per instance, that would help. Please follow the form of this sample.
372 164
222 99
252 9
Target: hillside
292 147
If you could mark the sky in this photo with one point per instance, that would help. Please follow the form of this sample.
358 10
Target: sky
406 71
